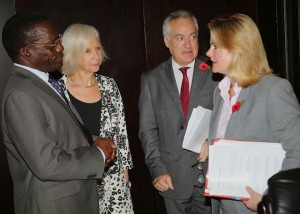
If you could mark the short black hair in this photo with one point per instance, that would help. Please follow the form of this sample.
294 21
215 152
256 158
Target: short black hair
16 31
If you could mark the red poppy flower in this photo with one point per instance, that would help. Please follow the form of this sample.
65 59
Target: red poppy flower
236 107
203 66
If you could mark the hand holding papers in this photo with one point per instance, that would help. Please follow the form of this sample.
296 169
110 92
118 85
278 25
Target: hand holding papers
235 164
197 129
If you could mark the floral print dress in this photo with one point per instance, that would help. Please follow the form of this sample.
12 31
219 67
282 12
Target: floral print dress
113 192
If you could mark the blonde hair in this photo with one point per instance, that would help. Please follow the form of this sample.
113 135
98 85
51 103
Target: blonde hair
75 39
240 36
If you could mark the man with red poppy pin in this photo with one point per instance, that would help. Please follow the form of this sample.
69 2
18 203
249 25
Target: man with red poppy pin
173 169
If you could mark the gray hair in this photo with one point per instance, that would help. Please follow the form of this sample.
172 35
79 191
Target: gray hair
74 40
180 14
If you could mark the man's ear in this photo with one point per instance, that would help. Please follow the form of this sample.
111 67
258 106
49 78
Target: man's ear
25 53
166 40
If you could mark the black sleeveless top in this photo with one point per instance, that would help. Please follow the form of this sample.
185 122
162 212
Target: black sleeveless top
89 112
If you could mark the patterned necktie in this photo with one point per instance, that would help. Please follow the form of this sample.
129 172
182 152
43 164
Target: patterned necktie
58 88
185 92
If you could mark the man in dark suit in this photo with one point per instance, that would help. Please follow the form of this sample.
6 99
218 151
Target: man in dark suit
53 167
163 117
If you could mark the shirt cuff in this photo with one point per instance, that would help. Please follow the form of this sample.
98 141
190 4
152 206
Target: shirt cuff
103 155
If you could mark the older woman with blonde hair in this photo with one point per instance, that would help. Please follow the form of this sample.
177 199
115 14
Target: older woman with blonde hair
268 109
99 104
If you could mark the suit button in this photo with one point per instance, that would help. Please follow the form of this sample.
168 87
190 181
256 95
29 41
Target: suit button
182 126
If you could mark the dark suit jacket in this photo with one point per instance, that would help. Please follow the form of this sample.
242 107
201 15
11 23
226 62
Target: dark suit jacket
270 113
51 164
162 125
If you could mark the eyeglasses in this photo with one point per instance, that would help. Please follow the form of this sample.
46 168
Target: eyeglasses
201 178
56 42
50 46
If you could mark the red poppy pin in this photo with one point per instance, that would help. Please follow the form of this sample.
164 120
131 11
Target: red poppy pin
203 66
237 106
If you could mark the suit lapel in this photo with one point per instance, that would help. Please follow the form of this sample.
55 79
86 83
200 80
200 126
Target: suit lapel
197 83
235 117
168 78
23 73
218 105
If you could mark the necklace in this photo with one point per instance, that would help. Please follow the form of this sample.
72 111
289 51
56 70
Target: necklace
90 84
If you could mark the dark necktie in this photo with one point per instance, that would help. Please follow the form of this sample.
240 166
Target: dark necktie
185 92
58 88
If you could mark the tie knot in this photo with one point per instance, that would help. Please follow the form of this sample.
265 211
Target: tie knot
184 70
51 80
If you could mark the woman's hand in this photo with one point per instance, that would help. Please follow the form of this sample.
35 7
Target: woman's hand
254 200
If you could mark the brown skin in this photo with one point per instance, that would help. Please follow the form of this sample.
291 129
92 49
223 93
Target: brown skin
48 59
36 55
107 146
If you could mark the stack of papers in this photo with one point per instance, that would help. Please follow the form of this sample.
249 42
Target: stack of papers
233 165
197 129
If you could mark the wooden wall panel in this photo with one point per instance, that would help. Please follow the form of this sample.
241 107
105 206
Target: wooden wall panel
155 11
121 26
131 32
279 23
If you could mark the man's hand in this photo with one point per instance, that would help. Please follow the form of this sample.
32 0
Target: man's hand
108 148
204 152
163 183
254 200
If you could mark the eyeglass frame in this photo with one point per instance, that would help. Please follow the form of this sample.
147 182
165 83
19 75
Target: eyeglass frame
201 177
50 46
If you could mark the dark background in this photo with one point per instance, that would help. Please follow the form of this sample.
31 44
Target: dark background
131 32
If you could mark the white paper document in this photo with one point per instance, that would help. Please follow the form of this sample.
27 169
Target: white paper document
197 129
235 164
